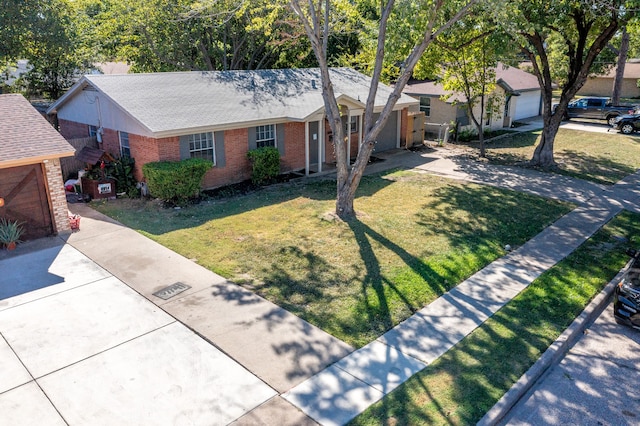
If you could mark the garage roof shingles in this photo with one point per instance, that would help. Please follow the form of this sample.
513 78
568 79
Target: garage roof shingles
25 134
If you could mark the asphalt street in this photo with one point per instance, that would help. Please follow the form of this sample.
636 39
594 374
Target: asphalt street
591 385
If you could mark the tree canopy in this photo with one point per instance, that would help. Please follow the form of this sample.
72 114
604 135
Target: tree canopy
46 33
562 39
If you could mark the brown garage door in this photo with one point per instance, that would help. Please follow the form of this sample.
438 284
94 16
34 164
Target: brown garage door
25 199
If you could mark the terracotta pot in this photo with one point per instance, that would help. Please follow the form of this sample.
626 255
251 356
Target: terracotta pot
11 245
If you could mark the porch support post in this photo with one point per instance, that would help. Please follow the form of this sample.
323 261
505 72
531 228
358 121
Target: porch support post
322 131
399 128
306 148
349 137
359 131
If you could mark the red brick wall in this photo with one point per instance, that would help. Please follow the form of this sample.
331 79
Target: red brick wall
353 147
146 150
293 158
237 167
58 198
72 129
330 153
111 142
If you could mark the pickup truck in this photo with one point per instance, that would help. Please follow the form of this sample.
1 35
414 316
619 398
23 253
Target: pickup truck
597 109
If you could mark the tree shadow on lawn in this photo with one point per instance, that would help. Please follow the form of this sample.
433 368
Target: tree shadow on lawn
595 168
466 215
483 219
376 305
465 382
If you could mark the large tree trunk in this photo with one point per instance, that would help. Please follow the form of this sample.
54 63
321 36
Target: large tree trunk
543 154
347 189
622 60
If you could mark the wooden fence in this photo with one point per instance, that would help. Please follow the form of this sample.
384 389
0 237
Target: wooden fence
70 165
415 129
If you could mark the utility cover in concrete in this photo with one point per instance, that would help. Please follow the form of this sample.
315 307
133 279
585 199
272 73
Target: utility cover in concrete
172 290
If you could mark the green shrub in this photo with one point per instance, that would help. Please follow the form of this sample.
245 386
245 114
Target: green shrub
120 170
467 135
265 164
176 182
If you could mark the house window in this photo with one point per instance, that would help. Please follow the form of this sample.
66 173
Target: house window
354 124
93 131
425 105
266 136
124 144
201 146
488 121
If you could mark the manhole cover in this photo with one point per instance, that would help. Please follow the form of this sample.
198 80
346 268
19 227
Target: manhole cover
172 290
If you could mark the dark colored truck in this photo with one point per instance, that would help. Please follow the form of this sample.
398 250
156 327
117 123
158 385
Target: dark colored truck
597 109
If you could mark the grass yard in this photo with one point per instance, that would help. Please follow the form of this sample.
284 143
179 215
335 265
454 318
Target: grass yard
463 384
417 236
599 157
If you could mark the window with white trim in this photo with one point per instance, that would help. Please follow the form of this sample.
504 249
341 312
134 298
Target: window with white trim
354 124
93 131
425 105
201 145
125 151
266 136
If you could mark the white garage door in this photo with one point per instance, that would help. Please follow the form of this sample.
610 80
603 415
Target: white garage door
527 105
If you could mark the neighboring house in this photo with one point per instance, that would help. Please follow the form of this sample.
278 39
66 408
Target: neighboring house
517 90
602 85
13 72
31 184
111 68
222 115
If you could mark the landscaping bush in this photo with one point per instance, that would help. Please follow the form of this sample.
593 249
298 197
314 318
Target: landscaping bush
467 135
176 182
265 164
122 172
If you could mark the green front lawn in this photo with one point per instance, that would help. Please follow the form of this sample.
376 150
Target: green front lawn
463 384
416 237
599 157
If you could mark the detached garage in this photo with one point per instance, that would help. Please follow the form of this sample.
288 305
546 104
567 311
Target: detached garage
31 187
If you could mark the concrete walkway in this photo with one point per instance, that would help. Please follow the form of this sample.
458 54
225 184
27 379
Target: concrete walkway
136 352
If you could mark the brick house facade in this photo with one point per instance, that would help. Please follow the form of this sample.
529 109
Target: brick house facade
295 123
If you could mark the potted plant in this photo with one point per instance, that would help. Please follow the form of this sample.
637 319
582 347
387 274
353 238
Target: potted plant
10 233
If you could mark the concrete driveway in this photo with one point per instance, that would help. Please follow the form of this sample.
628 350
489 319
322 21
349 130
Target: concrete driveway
595 126
591 386
78 346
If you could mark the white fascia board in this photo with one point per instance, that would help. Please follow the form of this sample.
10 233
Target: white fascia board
223 127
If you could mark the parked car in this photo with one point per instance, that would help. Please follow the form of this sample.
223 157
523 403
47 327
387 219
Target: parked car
626 299
627 123
597 109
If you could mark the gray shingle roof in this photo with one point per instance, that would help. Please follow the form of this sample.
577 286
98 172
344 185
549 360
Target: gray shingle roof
517 79
26 135
165 102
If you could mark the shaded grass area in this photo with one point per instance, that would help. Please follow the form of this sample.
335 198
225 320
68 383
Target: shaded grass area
463 384
416 237
598 157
